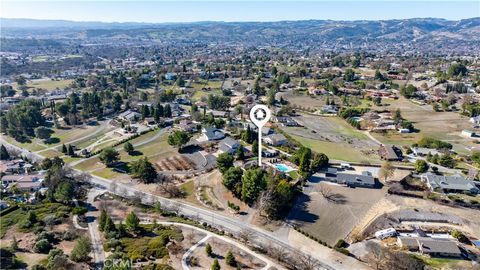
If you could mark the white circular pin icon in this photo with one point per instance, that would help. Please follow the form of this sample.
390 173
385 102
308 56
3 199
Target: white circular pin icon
259 115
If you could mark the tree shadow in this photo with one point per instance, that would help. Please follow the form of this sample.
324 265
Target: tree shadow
52 140
135 153
300 211
336 198
190 149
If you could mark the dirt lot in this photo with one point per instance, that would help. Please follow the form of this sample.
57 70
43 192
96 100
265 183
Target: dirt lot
175 163
220 249
331 220
393 206
334 137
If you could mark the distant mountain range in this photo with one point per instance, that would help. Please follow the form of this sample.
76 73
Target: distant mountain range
428 32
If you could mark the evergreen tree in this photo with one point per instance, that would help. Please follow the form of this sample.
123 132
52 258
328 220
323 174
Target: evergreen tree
208 250
81 250
109 225
128 147
102 219
230 259
132 222
71 152
255 147
216 265
64 149
4 155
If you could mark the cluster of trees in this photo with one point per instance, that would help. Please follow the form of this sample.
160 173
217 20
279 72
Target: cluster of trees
156 112
229 258
68 150
143 170
273 193
178 138
445 160
216 102
457 70
408 91
20 121
429 142
59 181
309 162
399 120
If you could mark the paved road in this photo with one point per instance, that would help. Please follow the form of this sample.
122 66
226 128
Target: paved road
95 237
258 235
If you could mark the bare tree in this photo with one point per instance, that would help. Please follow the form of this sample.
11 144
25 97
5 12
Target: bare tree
386 171
278 253
171 190
329 195
304 261
245 235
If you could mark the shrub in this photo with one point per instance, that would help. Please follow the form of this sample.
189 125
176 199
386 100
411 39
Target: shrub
42 246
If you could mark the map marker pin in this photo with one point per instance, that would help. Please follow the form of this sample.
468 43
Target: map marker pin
259 115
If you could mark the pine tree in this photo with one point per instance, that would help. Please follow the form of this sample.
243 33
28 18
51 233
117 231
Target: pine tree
208 250
81 250
109 225
4 155
230 259
215 265
71 152
132 222
64 149
255 147
102 219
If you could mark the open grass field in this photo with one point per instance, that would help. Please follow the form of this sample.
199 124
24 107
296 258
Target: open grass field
334 137
48 84
445 126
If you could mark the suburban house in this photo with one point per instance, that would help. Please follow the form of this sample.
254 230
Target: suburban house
15 166
187 126
352 180
23 182
421 152
449 184
229 145
390 152
212 134
430 246
287 121
129 116
330 109
275 139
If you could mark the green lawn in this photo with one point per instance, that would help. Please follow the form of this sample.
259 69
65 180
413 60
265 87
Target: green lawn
335 150
49 84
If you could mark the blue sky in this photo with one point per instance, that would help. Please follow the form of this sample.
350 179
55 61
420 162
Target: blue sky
228 10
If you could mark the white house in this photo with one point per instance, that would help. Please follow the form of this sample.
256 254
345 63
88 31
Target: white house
275 139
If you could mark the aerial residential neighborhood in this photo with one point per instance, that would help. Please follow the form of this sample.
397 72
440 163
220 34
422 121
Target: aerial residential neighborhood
136 144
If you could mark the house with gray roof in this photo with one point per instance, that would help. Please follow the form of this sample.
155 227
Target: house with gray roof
430 246
275 139
212 134
449 184
229 145
356 180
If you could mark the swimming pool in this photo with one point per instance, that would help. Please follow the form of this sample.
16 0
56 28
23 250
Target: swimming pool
283 168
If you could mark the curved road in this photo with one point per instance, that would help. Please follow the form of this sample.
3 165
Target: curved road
235 226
